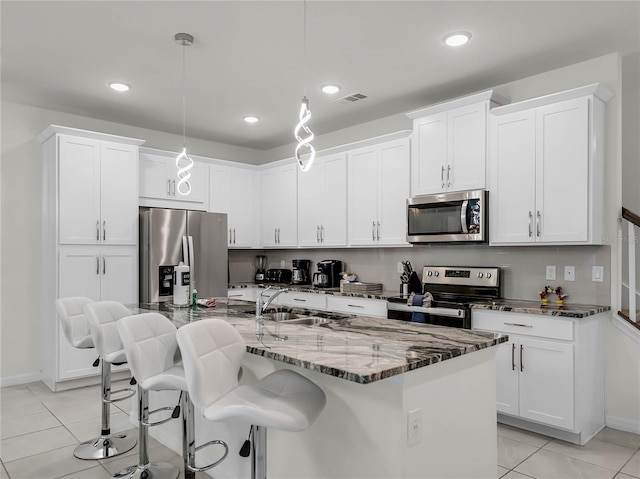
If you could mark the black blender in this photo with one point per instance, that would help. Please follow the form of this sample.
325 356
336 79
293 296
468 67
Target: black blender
261 268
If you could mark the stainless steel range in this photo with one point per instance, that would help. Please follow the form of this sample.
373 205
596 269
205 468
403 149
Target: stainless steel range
453 289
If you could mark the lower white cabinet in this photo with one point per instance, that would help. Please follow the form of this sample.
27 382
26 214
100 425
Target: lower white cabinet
303 300
550 374
359 306
244 294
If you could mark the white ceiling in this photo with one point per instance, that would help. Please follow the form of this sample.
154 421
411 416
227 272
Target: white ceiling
248 57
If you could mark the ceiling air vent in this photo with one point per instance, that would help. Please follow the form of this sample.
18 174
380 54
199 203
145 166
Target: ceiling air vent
351 98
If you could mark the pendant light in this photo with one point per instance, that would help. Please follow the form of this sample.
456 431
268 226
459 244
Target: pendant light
184 163
304 142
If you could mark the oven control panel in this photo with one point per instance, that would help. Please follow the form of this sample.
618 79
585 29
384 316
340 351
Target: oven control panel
476 276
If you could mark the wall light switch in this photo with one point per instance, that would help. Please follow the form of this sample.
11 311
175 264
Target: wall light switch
550 273
597 274
569 273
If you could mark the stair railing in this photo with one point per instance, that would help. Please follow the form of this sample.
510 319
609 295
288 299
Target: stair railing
633 222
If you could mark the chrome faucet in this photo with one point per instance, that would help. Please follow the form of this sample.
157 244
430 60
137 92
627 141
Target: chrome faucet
262 305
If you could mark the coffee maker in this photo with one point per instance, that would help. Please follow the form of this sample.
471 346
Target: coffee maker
300 273
328 275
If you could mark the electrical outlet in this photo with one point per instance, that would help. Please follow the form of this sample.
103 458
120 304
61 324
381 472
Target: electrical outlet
282 263
550 273
414 427
597 274
569 273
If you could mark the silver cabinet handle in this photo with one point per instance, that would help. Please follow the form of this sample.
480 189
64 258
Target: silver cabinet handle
355 305
104 265
104 230
173 182
373 231
442 176
234 236
275 235
538 223
300 299
230 236
97 265
98 230
448 176
318 234
378 230
520 325
278 235
322 233
513 356
168 187
235 295
521 363
530 227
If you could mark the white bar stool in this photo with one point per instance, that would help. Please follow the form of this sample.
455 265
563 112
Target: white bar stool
212 352
101 318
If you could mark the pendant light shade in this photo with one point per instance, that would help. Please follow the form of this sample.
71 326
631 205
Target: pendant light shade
184 163
302 132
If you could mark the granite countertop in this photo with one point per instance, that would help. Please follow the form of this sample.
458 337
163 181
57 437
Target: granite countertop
360 349
535 307
311 289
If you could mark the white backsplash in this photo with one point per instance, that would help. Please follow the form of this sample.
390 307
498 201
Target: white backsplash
523 266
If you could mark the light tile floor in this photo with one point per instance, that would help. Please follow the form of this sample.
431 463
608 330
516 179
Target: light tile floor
39 430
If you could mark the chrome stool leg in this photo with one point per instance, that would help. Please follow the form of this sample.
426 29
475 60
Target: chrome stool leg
144 469
259 453
107 445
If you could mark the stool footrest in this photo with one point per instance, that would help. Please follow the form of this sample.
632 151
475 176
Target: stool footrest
157 423
117 391
193 468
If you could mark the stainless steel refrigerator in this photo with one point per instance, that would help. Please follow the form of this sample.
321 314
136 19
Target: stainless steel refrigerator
197 238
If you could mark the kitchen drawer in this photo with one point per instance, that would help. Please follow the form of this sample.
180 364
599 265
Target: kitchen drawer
246 294
303 300
523 324
360 306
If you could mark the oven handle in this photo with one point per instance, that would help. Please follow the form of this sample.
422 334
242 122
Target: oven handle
463 216
449 312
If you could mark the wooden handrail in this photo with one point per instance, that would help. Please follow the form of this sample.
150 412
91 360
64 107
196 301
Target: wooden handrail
630 216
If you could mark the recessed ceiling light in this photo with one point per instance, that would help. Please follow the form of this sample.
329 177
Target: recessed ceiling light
456 39
331 89
119 86
251 119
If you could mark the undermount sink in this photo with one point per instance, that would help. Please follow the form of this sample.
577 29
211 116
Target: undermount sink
293 318
281 316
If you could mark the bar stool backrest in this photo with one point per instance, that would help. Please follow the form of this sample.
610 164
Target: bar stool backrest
102 317
74 322
212 352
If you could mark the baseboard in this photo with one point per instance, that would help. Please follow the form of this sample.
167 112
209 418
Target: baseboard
623 424
20 379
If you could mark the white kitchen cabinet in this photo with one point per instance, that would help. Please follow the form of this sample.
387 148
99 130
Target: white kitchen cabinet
159 182
322 202
359 306
378 187
244 294
234 191
85 173
299 299
279 205
449 144
550 374
546 169
98 191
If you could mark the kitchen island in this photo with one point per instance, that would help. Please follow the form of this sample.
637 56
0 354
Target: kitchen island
376 374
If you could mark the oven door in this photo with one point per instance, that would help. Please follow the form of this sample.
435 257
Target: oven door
448 217
453 317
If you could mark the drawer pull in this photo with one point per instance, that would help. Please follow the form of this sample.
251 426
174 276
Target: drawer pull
521 363
300 299
513 356
520 325
355 305
234 296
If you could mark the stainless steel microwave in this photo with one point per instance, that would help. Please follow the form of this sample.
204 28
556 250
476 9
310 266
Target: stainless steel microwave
448 218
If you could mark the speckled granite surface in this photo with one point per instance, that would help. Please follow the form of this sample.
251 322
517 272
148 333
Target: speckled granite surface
535 307
359 349
311 289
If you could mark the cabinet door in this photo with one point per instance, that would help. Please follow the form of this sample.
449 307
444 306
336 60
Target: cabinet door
394 180
154 179
79 190
334 201
279 206
512 173
562 181
311 198
119 274
429 159
507 377
546 382
362 196
467 147
199 181
270 203
220 190
243 208
119 193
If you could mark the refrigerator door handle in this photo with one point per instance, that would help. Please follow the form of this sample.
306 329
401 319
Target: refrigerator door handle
185 250
192 263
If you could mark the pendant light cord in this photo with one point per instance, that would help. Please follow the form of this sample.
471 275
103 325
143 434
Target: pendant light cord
304 47
184 101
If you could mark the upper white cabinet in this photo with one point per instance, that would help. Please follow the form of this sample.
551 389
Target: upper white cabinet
159 181
322 202
546 169
89 234
279 205
234 191
98 191
378 187
449 144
